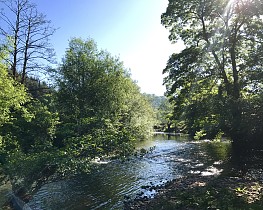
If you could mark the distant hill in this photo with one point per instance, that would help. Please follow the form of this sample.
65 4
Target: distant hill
155 100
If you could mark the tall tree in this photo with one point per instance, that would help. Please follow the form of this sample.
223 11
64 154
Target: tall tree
96 97
28 33
222 40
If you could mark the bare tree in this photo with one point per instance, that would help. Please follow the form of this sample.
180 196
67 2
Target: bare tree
27 32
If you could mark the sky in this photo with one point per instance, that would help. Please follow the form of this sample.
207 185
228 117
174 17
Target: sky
129 29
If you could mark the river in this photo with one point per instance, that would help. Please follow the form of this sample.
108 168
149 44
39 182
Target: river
112 182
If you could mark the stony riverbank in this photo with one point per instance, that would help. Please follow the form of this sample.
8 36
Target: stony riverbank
206 192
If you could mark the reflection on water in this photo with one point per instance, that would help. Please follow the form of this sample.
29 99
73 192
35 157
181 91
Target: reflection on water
106 187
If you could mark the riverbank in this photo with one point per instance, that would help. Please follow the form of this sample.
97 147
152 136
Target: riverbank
225 191
204 175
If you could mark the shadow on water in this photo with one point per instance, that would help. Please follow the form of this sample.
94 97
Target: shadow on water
171 157
238 184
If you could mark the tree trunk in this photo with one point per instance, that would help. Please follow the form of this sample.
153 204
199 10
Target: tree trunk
26 52
16 31
235 93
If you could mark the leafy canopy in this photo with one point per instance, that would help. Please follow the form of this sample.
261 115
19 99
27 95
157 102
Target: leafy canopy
12 94
98 101
220 65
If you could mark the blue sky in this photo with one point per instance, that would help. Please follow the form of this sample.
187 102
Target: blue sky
129 29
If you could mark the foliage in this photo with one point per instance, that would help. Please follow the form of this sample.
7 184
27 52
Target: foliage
163 110
212 81
199 134
97 110
219 136
97 99
39 89
29 171
47 133
12 94
35 133
27 154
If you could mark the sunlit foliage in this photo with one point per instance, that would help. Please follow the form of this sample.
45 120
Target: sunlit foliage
214 80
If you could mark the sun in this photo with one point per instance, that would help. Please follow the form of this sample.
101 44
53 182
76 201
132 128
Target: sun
232 4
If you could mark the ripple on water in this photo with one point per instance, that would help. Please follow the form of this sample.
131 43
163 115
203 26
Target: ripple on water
107 188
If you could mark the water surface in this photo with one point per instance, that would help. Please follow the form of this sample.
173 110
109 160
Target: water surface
171 157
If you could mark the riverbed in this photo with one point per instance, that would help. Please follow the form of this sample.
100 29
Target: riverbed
168 158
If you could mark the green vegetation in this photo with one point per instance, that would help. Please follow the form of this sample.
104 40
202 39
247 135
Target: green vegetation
98 102
163 110
215 83
94 108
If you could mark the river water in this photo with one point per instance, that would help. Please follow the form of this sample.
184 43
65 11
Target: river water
112 182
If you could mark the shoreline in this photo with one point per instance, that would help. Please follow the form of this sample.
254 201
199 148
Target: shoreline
205 192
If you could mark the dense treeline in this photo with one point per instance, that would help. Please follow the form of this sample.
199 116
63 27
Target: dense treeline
93 108
98 100
215 83
164 117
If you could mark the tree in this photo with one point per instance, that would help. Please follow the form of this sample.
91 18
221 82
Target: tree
28 33
98 102
100 111
222 40
12 95
163 110
27 129
192 90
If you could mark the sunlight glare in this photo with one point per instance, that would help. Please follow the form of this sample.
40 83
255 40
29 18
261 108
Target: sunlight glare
230 4
228 7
